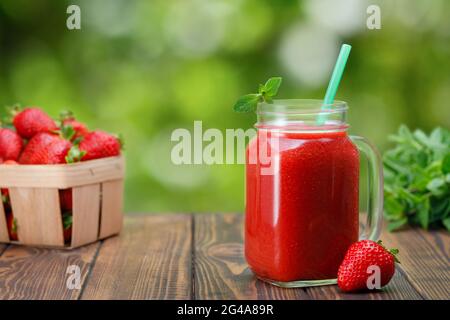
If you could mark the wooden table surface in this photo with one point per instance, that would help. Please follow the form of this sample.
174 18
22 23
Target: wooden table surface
199 257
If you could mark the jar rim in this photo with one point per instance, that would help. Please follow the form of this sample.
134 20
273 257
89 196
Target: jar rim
301 107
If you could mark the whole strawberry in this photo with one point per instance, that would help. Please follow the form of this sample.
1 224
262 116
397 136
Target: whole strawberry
354 270
32 121
45 148
10 144
99 144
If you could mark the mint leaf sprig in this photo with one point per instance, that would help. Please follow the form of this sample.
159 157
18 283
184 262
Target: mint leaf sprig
417 179
266 92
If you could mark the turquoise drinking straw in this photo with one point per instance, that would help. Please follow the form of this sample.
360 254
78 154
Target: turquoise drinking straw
335 79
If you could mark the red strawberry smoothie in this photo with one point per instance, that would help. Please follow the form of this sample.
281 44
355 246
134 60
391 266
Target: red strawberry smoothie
301 220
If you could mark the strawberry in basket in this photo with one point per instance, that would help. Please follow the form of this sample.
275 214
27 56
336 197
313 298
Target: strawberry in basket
68 122
31 121
39 140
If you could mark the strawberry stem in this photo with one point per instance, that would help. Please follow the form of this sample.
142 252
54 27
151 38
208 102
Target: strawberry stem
67 131
11 112
66 115
75 154
394 252
121 140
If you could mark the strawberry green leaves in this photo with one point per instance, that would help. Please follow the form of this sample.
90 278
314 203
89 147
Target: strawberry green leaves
393 251
266 92
67 132
75 154
417 179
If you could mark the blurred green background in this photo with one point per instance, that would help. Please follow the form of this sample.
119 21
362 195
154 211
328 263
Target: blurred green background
144 68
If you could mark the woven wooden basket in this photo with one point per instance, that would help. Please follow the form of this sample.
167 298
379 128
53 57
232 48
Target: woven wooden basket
97 193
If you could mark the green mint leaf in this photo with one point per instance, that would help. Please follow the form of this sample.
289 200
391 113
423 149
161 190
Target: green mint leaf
422 138
436 134
446 164
435 186
247 103
423 213
271 87
266 92
262 89
446 223
394 208
395 225
417 179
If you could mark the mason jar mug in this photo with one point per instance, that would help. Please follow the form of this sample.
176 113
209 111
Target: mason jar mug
302 192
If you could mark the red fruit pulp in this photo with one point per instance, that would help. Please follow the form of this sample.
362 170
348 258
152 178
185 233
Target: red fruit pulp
301 220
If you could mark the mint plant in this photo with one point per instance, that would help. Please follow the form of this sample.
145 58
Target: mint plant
266 92
417 179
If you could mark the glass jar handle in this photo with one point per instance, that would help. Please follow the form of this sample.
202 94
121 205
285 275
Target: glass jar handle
372 228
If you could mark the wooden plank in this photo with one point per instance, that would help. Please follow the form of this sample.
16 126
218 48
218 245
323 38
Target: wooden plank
38 216
62 176
2 248
424 258
86 214
438 239
4 236
151 260
111 220
31 273
220 269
